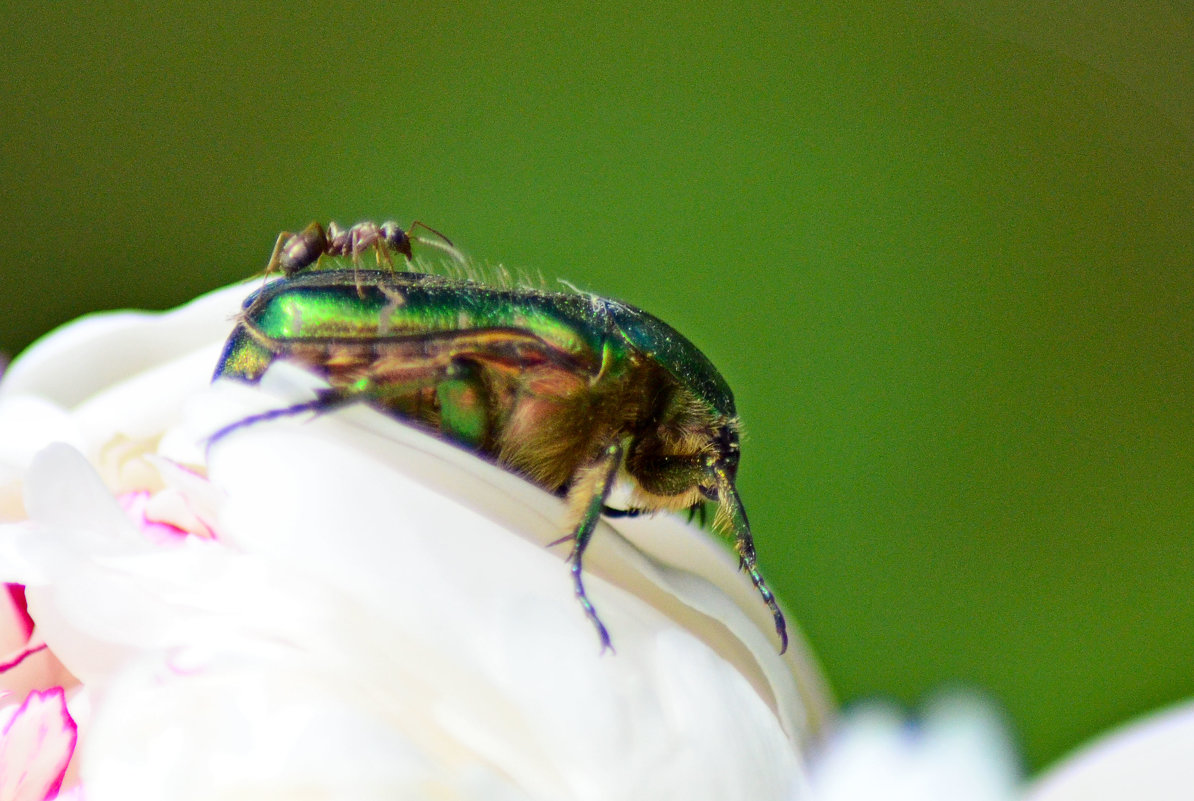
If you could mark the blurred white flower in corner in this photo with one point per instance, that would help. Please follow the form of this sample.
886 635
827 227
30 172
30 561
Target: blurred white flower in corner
959 749
344 607
1148 760
956 750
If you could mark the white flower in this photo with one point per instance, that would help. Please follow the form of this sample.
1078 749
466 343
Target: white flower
344 607
1149 760
958 750
37 740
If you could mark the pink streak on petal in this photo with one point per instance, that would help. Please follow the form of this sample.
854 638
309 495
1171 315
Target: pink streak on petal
19 608
36 747
135 505
32 666
20 657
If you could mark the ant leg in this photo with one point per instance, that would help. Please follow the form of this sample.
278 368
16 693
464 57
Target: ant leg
292 252
382 248
383 252
275 258
355 247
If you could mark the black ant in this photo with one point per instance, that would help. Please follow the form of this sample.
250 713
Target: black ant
294 252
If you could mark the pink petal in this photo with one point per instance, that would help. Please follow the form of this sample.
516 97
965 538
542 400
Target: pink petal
14 612
25 662
13 661
136 506
32 666
36 746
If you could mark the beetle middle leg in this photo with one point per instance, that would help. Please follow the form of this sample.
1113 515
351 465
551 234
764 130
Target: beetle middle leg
325 401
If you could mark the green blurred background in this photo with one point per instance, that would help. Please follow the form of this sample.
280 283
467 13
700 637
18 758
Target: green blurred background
943 252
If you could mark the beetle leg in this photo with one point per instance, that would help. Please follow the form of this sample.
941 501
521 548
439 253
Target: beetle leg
731 513
609 511
324 401
606 511
587 498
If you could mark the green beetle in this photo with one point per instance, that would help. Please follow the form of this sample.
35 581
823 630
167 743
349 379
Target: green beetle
568 389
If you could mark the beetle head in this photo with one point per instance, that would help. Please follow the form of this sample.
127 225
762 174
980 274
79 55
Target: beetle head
685 456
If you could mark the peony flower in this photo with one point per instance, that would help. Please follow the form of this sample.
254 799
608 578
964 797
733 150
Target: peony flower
958 750
1147 760
341 606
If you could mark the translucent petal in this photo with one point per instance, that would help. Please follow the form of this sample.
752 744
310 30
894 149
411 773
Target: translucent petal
36 744
1149 760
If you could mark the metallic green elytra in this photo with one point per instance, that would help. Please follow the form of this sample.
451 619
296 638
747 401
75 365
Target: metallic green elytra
570 390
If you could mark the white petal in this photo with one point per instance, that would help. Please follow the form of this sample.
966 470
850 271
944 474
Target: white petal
479 599
679 571
37 740
958 751
280 734
1150 760
28 423
83 357
98 590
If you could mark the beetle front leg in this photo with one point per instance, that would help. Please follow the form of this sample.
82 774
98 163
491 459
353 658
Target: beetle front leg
587 498
732 514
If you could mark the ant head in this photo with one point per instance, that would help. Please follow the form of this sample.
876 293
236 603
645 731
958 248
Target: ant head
396 239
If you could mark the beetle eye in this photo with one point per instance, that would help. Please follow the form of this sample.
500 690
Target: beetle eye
728 450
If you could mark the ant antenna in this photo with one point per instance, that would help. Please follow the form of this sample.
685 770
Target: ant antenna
446 245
